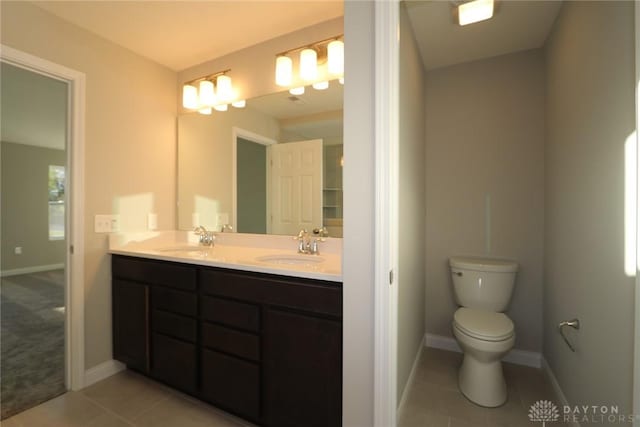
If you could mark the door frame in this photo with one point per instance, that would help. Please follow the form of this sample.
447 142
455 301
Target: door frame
74 217
236 133
386 62
636 353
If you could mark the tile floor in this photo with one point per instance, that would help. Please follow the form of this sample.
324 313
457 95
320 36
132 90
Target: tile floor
435 401
128 399
124 400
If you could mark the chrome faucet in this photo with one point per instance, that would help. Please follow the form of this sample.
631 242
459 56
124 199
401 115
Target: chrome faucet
305 245
207 238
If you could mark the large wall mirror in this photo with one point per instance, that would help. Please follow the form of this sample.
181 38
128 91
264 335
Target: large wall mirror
273 167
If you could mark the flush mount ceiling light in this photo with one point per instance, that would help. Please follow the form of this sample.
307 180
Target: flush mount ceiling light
474 11
318 63
214 91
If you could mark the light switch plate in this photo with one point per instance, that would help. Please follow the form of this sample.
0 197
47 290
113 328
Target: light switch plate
152 221
106 223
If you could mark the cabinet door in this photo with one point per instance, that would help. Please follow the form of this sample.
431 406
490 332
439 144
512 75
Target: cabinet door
303 370
174 362
130 324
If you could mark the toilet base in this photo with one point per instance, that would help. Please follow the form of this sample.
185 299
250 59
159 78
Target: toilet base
482 382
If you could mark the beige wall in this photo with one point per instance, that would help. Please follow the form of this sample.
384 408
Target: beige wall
253 68
485 136
25 209
130 151
359 198
590 114
204 161
411 271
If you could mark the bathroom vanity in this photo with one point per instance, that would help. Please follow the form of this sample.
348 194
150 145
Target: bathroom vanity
265 346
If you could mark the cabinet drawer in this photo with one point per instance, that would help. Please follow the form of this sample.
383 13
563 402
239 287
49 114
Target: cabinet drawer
308 295
174 301
231 313
229 341
174 362
231 383
158 273
175 325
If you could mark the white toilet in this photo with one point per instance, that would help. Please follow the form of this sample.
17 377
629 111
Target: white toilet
483 289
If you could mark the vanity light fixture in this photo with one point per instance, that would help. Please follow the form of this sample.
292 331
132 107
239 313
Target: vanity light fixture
475 11
318 63
214 91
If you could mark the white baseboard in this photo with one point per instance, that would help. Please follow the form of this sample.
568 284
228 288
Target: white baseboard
412 376
102 371
29 270
556 388
515 356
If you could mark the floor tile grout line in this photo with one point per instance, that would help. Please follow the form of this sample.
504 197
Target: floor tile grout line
107 410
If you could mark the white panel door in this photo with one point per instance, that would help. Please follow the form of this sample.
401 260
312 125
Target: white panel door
296 186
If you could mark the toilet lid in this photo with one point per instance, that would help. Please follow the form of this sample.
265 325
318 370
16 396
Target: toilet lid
482 324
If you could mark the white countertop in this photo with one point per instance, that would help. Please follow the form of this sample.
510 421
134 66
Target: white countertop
248 252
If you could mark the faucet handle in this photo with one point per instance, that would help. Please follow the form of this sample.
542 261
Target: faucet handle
227 228
301 234
321 232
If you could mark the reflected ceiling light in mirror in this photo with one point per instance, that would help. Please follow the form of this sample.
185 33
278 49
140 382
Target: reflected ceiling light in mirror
284 71
474 11
190 97
297 90
214 90
321 85
335 57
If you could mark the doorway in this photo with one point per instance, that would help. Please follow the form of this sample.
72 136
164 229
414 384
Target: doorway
42 280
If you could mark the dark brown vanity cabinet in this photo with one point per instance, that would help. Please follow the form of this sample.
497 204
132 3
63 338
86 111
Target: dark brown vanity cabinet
266 348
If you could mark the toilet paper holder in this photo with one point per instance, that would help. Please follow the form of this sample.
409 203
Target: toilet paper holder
575 324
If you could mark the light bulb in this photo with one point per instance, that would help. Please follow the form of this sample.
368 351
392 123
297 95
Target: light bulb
239 104
284 71
225 90
335 54
206 93
297 90
221 107
308 65
206 111
190 97
320 85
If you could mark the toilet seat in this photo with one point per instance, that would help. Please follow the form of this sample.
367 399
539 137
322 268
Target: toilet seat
483 325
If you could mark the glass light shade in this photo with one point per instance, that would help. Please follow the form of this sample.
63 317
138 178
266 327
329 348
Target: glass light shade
284 71
239 104
225 90
335 61
221 107
475 11
297 90
206 93
206 110
320 85
308 65
190 97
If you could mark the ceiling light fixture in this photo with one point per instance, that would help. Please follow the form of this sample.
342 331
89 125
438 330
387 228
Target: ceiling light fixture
318 63
212 91
475 11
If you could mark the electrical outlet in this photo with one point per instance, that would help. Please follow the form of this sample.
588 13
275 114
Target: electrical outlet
17 250
152 221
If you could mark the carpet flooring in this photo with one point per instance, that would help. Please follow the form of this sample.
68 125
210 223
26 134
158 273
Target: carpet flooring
31 340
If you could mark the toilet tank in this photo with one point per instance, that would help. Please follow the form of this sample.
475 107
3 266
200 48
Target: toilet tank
483 283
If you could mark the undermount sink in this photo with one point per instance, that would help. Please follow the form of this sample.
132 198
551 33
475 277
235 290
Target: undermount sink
291 259
186 249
